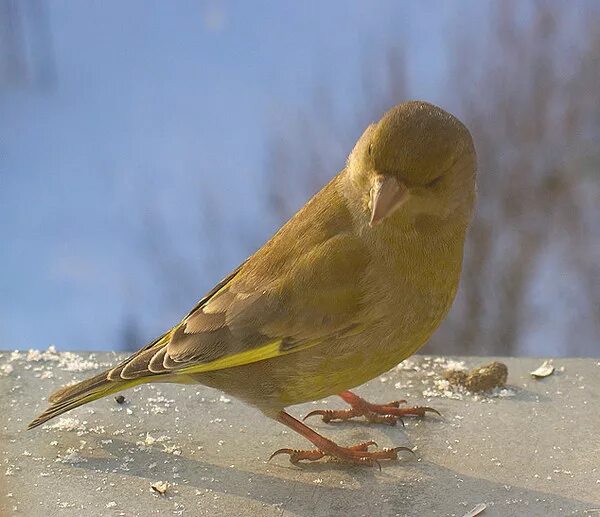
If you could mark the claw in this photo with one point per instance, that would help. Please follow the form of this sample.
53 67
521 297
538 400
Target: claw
398 449
321 412
280 451
432 410
298 455
420 411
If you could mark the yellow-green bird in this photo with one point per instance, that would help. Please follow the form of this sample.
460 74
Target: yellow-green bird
349 287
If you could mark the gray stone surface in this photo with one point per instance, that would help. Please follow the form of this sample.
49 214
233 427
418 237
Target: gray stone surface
531 449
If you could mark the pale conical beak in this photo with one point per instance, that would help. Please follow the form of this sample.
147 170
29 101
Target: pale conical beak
387 194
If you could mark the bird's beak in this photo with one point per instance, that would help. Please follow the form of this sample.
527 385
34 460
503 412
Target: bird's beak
387 195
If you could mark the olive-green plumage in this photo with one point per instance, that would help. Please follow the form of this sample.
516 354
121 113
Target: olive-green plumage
353 284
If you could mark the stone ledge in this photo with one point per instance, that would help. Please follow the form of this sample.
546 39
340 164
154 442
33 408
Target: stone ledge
531 449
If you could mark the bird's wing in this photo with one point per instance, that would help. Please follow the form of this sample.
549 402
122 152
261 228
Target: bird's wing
302 288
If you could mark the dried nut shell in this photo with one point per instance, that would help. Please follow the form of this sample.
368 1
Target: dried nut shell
544 370
483 378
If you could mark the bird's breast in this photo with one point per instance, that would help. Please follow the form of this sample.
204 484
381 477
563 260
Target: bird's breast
415 289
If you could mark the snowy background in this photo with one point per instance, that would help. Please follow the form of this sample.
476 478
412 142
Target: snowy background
146 148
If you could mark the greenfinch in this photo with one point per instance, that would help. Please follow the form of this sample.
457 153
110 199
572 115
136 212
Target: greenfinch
350 286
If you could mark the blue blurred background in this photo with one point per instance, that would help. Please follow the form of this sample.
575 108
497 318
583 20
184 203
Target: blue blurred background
146 148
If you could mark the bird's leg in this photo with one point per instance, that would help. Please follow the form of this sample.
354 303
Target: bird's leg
388 413
356 454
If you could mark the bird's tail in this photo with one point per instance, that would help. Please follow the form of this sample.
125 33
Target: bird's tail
70 397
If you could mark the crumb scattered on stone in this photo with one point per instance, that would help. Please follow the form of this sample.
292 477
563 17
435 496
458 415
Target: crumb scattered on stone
74 424
67 361
120 399
6 369
160 487
72 457
172 449
476 511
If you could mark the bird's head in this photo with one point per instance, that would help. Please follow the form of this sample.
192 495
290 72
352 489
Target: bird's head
416 164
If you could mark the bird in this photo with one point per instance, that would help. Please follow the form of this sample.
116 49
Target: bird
353 284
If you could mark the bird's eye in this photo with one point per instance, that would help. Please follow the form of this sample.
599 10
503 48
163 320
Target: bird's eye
370 150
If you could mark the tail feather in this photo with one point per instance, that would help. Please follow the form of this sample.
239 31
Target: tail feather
101 385
67 392
70 397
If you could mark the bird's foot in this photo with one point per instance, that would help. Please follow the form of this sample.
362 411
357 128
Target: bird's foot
355 455
389 413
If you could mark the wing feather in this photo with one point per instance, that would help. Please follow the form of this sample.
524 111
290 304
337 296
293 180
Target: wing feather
301 289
